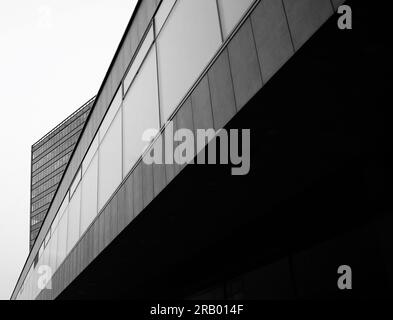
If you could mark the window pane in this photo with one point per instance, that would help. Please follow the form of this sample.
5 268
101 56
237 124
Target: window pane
140 111
53 251
90 154
41 250
76 181
231 11
74 219
62 208
110 162
45 260
89 195
47 238
162 13
62 238
115 105
27 286
35 283
138 59
186 44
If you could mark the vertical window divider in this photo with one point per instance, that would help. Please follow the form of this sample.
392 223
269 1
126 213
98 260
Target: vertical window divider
219 21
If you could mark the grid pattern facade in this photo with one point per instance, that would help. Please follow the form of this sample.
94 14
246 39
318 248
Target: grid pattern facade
50 156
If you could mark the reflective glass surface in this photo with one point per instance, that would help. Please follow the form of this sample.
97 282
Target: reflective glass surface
110 162
231 11
89 195
186 44
139 59
74 210
140 111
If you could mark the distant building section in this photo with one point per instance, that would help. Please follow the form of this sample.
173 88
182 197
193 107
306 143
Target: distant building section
49 158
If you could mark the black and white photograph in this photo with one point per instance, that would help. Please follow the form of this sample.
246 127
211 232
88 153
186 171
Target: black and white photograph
197 158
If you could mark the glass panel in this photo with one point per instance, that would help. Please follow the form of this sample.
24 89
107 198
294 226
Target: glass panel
62 208
28 286
141 111
186 44
55 220
74 219
110 162
33 284
31 279
231 12
45 260
62 238
41 250
76 181
90 154
115 105
162 13
53 251
47 238
138 59
89 194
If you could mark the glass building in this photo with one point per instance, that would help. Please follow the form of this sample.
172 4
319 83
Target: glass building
183 231
49 158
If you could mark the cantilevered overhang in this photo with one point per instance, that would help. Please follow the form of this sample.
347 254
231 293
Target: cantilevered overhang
315 149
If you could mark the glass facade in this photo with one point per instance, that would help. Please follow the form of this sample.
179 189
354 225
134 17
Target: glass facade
62 238
111 114
141 111
182 40
50 156
231 11
110 162
139 59
185 46
89 194
74 210
163 13
90 154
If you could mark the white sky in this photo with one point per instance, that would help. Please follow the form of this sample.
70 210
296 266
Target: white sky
53 57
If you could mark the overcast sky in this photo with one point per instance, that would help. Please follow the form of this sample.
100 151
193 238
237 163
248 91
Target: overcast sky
53 57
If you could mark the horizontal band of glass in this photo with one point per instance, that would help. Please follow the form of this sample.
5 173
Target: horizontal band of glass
189 38
137 62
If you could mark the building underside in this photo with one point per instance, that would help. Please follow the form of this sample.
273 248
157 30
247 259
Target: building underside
318 194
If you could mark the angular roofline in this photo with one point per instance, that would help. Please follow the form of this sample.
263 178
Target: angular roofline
89 102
